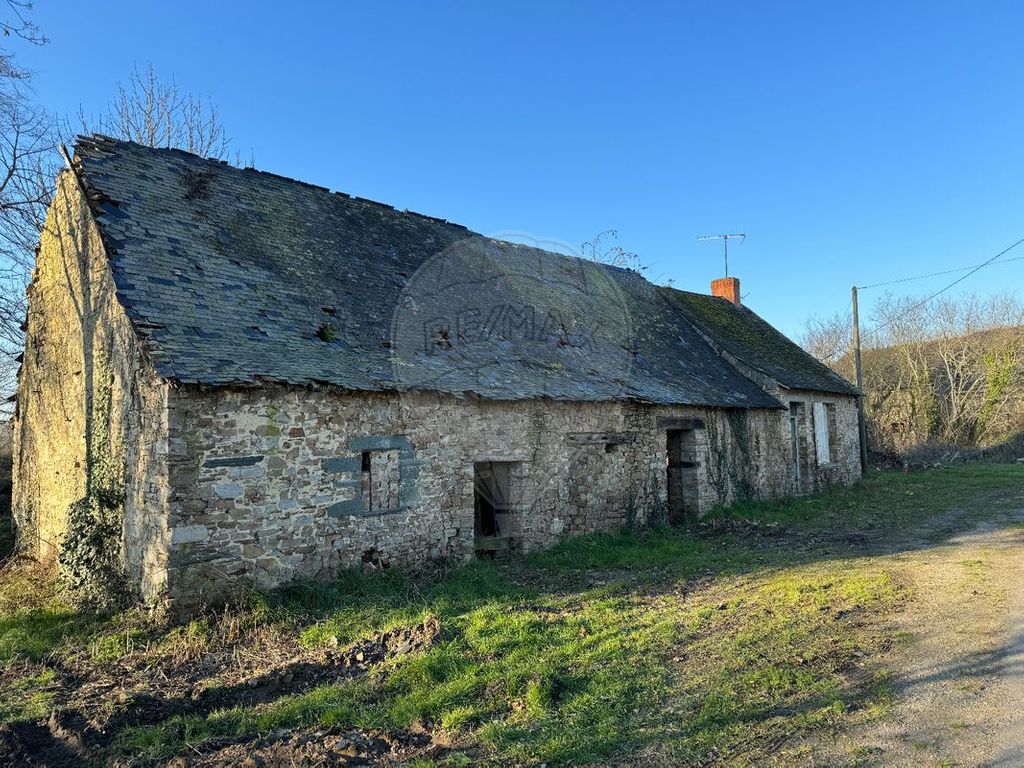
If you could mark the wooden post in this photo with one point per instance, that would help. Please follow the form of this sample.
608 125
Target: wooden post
861 422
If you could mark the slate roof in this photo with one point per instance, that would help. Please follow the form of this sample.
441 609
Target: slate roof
239 277
749 338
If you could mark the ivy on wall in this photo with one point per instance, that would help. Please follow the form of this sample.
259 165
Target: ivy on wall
90 556
729 452
89 559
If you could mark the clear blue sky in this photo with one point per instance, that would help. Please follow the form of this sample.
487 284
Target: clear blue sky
853 142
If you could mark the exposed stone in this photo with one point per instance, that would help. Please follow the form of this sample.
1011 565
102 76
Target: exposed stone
80 336
189 534
228 490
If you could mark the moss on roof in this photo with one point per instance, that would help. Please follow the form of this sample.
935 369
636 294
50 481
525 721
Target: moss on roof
230 275
745 335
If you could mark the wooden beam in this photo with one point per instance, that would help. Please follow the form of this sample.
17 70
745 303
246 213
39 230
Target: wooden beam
597 438
669 422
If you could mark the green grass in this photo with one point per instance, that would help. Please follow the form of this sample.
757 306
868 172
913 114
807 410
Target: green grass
526 672
893 501
29 697
36 618
685 645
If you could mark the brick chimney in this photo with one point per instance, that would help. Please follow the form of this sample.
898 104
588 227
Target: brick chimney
726 288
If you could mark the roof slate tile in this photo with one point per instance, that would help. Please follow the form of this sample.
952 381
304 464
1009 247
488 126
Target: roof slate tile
228 274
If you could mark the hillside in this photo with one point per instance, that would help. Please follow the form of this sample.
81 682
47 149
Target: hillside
965 392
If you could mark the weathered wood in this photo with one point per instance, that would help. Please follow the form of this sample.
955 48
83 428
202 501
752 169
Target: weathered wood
669 422
597 438
492 543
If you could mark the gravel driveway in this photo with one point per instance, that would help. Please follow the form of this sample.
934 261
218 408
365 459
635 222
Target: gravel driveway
958 656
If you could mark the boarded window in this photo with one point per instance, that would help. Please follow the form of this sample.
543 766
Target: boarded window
380 481
824 429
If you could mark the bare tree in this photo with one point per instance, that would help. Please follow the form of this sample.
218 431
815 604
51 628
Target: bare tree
158 113
948 372
27 166
18 24
146 110
828 338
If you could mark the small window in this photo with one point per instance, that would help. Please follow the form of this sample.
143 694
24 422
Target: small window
380 481
824 430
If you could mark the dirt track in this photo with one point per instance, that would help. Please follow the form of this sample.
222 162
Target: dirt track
958 656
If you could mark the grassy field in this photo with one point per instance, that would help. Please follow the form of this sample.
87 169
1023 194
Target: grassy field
712 643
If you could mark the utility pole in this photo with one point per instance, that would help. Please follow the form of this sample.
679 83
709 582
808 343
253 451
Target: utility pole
725 241
861 422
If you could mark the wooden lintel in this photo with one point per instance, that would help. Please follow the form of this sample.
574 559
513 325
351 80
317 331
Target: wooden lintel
669 422
596 438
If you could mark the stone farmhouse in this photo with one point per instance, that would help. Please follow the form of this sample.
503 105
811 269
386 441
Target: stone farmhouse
264 380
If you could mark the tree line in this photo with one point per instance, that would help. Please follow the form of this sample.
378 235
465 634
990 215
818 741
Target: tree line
945 374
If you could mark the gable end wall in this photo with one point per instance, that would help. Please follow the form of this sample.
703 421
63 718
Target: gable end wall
88 400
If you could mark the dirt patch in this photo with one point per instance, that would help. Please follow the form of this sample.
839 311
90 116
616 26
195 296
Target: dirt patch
317 748
297 674
39 744
106 704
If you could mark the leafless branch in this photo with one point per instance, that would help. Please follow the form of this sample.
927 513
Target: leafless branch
17 23
600 251
157 113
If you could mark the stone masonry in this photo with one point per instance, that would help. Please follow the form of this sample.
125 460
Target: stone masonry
266 483
224 486
89 403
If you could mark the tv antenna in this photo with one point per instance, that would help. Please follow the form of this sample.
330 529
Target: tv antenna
725 241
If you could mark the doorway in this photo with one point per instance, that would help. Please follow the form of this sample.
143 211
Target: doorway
795 414
492 507
681 463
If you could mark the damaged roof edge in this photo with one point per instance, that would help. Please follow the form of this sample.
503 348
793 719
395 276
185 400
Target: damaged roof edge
262 383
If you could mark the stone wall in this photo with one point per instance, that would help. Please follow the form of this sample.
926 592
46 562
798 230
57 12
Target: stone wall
90 411
844 465
270 484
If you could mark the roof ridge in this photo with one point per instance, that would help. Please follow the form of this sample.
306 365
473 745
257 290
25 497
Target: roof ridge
192 156
97 138
745 356
266 260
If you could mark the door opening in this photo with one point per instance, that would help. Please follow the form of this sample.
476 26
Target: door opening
795 411
493 520
681 462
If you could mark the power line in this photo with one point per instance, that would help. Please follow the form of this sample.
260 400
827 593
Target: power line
936 274
857 338
918 305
